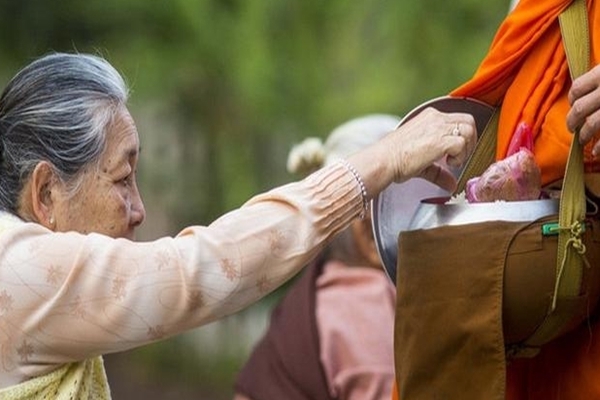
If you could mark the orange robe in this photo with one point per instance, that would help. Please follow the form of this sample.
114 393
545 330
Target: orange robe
525 70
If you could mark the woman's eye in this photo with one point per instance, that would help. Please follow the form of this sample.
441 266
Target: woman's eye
126 181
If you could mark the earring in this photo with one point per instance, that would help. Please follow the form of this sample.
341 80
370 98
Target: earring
51 220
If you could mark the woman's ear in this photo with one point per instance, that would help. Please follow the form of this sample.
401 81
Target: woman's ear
365 242
37 200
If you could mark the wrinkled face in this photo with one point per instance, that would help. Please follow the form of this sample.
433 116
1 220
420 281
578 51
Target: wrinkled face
108 200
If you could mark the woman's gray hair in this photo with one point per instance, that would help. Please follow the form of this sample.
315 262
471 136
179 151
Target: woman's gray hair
56 109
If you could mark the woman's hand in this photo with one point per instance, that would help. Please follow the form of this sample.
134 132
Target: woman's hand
584 98
429 137
413 149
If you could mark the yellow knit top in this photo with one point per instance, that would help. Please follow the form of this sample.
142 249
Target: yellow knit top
76 381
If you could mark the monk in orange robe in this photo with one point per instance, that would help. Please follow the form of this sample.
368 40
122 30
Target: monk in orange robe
526 72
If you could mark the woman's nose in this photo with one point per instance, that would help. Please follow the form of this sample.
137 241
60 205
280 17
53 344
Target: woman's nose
138 212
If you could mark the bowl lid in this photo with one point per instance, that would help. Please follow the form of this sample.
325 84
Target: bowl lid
393 209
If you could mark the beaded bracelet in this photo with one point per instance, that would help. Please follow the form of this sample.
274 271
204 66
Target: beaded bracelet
361 184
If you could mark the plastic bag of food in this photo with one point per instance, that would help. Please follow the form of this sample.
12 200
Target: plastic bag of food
517 177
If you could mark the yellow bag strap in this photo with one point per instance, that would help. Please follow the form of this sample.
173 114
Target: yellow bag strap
569 270
570 258
483 155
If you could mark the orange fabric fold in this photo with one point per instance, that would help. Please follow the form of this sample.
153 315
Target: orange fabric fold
395 395
526 72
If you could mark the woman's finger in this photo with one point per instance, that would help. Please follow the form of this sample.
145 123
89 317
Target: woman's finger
439 176
462 141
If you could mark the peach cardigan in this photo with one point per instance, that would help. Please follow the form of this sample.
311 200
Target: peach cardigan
68 297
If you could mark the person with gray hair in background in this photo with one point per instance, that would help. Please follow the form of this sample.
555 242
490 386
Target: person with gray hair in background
331 336
74 285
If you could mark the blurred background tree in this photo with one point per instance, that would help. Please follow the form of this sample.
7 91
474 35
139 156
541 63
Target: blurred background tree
221 89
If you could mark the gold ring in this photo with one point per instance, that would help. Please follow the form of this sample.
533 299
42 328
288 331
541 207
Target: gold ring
456 130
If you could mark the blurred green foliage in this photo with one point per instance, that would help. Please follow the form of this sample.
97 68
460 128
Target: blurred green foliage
240 81
221 89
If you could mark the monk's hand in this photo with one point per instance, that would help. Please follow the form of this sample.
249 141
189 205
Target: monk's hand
428 138
584 114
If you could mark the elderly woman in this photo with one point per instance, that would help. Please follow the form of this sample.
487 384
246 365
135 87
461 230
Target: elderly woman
73 284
